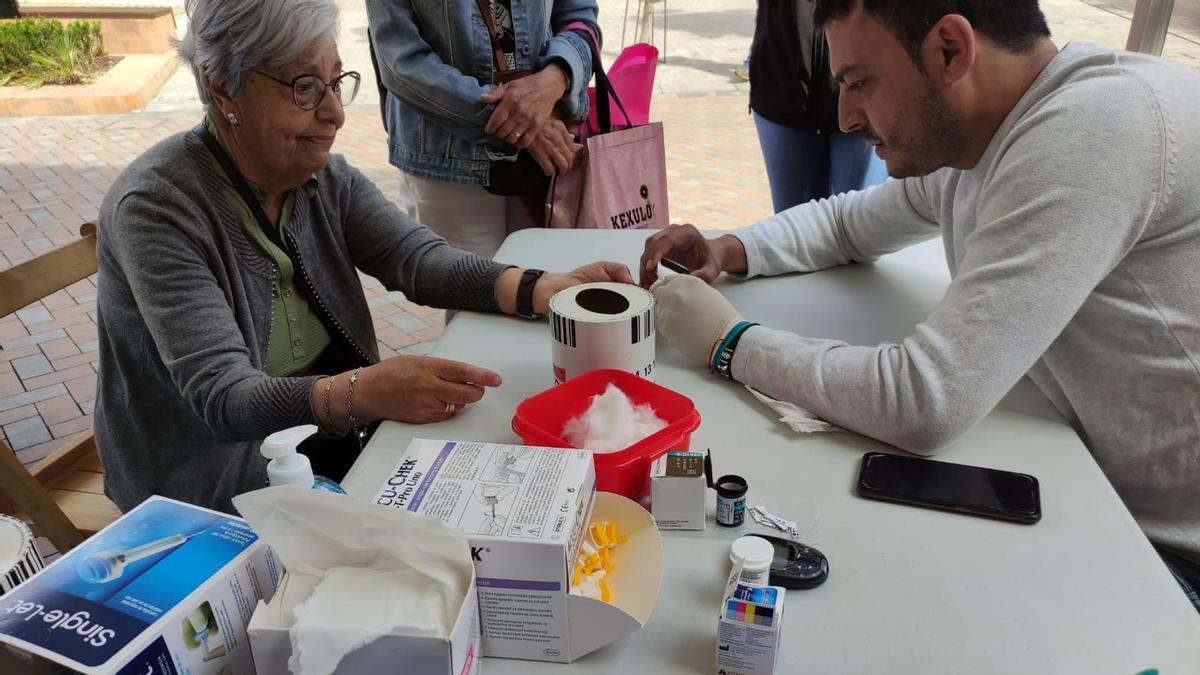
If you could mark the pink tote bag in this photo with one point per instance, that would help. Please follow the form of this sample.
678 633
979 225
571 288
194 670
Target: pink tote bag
619 177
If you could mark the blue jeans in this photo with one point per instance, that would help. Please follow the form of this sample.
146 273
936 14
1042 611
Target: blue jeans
804 165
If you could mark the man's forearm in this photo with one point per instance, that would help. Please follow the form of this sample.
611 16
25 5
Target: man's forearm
732 254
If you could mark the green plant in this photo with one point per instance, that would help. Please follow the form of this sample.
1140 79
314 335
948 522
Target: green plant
20 39
58 62
85 36
35 50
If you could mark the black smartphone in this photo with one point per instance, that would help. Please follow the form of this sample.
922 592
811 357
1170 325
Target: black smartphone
952 487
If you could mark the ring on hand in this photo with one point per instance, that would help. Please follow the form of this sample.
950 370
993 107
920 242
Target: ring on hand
450 408
516 135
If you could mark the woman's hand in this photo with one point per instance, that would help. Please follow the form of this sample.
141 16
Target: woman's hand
419 389
523 106
554 147
553 282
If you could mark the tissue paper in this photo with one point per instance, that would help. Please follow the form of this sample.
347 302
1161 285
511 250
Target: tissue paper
373 571
800 420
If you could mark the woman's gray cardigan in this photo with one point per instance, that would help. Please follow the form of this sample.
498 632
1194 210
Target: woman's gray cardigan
184 314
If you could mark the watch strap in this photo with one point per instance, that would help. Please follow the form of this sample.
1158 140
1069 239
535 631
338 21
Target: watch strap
529 279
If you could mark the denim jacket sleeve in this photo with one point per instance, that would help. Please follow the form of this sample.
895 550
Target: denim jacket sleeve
572 50
413 72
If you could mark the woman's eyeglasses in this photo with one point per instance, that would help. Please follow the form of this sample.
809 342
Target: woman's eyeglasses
309 90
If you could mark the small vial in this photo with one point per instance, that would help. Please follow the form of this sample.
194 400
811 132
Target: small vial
755 554
731 500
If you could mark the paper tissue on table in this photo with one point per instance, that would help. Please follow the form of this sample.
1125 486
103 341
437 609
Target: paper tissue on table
367 589
165 589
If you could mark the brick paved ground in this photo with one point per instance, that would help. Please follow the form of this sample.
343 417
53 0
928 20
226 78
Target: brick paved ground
55 171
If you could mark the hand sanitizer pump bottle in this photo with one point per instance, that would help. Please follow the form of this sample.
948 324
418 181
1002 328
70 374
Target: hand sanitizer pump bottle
289 467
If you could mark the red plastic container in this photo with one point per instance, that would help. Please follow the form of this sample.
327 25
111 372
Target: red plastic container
540 419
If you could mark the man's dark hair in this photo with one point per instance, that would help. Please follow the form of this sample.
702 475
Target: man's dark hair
1015 25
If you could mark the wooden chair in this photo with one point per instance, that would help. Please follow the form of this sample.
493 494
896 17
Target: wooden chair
62 497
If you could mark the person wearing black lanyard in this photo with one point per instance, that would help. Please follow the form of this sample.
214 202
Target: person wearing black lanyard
230 304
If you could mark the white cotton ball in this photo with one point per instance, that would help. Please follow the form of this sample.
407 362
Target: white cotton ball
611 423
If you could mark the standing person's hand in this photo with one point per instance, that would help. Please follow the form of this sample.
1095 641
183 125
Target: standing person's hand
554 147
523 106
704 258
419 389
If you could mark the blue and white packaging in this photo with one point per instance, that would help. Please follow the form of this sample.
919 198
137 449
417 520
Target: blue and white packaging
168 589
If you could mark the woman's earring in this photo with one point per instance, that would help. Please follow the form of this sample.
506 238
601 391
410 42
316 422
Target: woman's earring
232 119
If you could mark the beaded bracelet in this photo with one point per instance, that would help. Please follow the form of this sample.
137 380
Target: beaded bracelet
350 399
720 344
725 353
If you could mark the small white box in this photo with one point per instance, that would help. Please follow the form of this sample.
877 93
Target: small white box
749 626
271 641
524 511
678 488
128 600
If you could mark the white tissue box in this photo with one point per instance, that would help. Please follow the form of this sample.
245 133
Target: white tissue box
678 489
524 511
104 607
459 655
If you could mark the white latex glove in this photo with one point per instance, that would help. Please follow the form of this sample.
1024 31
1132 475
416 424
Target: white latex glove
692 315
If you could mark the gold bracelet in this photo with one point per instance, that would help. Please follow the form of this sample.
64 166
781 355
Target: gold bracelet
350 400
333 429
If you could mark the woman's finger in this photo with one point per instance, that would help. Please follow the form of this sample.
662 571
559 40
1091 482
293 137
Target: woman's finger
500 117
457 371
456 392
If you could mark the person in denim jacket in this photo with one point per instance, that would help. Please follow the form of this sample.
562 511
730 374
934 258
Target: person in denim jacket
446 120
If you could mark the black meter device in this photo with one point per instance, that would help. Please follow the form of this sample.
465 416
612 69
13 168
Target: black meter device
795 565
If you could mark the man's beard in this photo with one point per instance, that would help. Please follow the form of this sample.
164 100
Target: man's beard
934 143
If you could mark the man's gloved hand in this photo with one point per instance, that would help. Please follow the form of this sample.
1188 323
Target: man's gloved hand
692 315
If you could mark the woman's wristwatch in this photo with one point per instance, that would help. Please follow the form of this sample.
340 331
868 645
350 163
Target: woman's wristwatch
529 279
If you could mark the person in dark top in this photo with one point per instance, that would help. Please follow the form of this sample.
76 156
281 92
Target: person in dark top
794 100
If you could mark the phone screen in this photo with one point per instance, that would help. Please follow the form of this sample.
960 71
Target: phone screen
959 487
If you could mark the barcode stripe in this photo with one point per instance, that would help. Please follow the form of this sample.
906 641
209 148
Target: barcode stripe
642 326
563 330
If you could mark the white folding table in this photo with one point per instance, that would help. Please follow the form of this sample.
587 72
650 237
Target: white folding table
910 590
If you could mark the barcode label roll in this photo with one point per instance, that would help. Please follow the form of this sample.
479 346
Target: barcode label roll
602 325
19 558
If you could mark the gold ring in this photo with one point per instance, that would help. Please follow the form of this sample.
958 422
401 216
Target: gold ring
450 408
517 135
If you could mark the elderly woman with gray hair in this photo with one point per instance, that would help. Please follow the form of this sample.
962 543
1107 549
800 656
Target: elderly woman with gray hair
230 305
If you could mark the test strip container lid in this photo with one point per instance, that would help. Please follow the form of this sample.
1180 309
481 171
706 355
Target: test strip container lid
754 552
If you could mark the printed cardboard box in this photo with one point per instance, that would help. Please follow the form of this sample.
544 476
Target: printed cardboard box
525 510
168 588
749 626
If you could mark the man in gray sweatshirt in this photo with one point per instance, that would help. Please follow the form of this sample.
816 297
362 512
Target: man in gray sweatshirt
1066 188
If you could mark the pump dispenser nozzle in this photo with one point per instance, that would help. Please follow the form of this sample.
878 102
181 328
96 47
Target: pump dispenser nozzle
287 466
